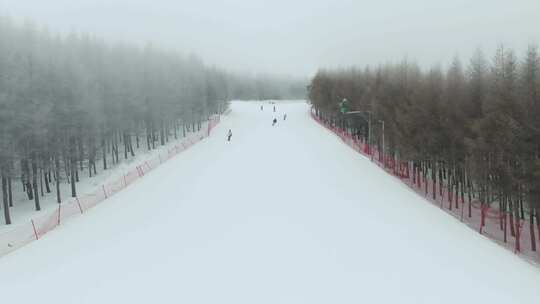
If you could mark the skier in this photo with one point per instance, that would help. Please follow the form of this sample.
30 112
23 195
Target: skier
274 108
229 135
261 107
274 122
284 116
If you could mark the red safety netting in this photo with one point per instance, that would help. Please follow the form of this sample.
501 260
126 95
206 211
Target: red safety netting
23 234
502 227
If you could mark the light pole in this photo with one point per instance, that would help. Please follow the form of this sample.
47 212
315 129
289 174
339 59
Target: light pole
369 126
344 107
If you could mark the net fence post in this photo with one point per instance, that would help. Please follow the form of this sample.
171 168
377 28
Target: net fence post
35 230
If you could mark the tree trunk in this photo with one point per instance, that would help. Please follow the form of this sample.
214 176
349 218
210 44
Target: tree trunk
154 138
35 184
434 178
441 183
456 194
148 145
414 174
5 201
125 146
113 147
505 223
73 167
518 228
501 208
522 212
162 134
27 184
117 139
462 191
531 228
76 171
10 192
89 167
104 152
469 194
130 142
47 181
511 213
57 180
424 174
450 190
81 155
116 150
538 222
41 182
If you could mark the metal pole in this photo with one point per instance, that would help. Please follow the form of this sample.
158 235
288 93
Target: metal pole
369 135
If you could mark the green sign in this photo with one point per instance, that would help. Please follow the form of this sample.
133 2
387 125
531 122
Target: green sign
344 106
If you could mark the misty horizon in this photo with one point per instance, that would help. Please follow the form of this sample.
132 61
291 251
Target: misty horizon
295 39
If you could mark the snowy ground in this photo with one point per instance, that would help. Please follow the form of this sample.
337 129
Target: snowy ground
284 214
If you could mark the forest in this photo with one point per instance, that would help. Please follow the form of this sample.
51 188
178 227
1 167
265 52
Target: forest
76 104
473 128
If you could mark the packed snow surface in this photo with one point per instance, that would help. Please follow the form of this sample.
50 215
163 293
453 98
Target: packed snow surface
283 214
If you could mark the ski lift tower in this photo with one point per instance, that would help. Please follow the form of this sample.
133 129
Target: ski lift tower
344 109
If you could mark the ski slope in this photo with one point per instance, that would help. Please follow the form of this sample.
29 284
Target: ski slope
284 214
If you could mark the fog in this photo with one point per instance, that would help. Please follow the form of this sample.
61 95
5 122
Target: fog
297 37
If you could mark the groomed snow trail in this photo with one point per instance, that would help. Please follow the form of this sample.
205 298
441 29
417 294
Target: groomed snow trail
284 214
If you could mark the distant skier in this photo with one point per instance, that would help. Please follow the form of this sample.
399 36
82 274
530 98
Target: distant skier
274 122
261 107
229 135
274 108
284 116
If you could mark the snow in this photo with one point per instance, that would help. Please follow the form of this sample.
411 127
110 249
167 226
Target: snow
284 214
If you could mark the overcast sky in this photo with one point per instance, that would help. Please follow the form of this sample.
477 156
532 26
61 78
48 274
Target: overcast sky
297 37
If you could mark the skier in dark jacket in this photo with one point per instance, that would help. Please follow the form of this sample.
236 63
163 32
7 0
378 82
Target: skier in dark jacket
274 122
229 135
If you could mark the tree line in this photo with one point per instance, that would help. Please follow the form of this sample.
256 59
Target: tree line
76 104
473 128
